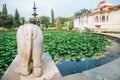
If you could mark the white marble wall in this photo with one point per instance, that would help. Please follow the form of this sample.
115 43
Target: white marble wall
111 22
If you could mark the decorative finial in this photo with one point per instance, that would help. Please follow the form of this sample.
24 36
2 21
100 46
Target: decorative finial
34 14
34 8
34 3
104 0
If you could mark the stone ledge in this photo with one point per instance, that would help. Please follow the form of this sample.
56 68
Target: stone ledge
50 71
77 76
109 71
115 37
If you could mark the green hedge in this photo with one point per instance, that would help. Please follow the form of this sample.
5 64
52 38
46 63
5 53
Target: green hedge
73 45
8 50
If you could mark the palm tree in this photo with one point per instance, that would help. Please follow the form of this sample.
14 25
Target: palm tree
82 11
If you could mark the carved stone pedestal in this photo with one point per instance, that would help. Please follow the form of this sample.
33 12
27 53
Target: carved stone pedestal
50 71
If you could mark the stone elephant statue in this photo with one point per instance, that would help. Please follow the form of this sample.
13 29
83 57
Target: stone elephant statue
30 48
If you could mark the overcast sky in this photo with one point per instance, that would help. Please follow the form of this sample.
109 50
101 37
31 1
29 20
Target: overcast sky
63 8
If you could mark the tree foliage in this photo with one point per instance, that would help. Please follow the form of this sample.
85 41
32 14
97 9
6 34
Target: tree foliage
82 11
6 20
64 19
4 9
71 24
65 22
22 20
16 15
44 20
52 17
16 18
58 22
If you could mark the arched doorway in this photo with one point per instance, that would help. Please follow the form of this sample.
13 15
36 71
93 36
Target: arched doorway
103 18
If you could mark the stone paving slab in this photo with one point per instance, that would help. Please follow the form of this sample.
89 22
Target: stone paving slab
77 76
50 71
109 34
115 35
109 71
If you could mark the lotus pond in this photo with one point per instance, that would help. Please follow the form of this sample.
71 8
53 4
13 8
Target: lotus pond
61 45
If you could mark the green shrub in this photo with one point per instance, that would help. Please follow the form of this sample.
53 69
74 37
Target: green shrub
8 50
73 45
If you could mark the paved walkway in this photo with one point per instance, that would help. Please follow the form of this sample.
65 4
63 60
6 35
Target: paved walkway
109 71
115 35
110 34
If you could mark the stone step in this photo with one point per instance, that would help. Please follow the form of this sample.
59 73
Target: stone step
77 76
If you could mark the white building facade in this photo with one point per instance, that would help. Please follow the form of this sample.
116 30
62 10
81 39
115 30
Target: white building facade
104 17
